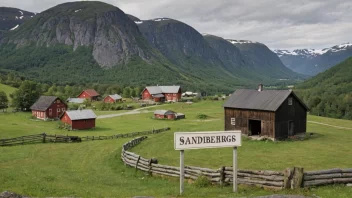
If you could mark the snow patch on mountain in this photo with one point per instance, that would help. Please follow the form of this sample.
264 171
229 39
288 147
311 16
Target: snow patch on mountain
138 22
160 19
312 52
14 27
21 12
240 41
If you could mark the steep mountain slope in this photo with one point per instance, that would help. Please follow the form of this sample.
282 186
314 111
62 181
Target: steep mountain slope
114 37
330 92
263 60
11 18
312 61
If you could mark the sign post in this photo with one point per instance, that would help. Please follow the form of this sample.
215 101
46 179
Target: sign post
182 170
212 139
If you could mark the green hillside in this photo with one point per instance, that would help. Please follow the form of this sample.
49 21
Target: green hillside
330 93
7 89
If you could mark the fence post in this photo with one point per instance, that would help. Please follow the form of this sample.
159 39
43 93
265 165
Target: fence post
222 175
288 173
297 178
44 135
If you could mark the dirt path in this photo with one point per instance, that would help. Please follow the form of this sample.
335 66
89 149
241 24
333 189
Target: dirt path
329 125
135 111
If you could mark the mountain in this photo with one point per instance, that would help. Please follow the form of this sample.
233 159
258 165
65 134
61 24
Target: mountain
314 61
11 18
85 42
263 60
329 93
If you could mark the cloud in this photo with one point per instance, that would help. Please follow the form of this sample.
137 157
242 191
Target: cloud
281 24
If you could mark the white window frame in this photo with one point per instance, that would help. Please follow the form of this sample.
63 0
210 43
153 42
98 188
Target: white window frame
290 101
58 110
233 121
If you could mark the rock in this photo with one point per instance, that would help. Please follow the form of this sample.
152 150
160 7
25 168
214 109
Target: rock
7 194
349 185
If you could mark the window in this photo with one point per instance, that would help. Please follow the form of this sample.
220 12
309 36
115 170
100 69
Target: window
233 121
290 101
63 109
58 110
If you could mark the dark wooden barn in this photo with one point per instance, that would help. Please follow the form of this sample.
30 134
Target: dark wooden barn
48 107
277 114
79 119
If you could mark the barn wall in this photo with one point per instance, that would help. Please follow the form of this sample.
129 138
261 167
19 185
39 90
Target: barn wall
83 124
146 95
57 109
159 116
84 94
242 117
39 114
66 119
108 99
296 113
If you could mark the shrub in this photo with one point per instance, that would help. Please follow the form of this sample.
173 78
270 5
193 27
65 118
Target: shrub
202 116
201 182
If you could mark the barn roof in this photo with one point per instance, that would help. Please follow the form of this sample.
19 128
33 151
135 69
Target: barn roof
163 89
92 92
76 100
43 103
81 114
163 112
267 100
115 97
158 95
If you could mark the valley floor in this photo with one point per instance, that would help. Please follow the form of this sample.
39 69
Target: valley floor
94 169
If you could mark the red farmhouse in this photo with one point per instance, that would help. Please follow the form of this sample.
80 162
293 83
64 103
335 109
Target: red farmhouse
112 98
90 94
162 93
79 119
165 114
48 107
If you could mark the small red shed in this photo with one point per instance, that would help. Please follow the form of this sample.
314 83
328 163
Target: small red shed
79 119
48 107
164 114
112 98
89 94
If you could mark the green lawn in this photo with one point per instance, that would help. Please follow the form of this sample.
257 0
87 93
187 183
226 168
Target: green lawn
7 89
94 169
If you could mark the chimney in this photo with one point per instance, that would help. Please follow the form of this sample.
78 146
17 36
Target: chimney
260 87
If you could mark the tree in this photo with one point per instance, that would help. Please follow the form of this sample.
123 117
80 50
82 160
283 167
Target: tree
3 100
133 92
26 95
126 92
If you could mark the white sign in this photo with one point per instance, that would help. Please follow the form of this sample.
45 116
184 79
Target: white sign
211 139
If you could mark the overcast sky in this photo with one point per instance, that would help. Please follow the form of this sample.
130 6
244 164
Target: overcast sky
280 24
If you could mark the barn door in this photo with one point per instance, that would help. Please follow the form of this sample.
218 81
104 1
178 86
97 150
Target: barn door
291 128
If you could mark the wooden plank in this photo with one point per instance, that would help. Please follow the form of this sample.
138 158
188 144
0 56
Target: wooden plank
321 172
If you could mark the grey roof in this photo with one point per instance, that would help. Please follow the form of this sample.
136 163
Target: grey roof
163 89
163 112
43 103
81 114
158 95
76 100
116 97
267 100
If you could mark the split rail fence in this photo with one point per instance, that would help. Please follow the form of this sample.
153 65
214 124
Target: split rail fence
289 178
46 138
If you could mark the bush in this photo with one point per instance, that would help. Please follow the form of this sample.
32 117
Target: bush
201 182
73 106
202 116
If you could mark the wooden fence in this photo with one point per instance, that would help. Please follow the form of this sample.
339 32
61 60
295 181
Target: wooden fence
44 138
289 178
326 177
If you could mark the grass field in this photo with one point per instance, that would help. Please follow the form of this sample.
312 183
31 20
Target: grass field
7 89
94 169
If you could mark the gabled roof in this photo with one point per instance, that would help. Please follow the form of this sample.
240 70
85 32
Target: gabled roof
76 100
43 103
163 89
266 100
115 97
163 112
91 92
81 114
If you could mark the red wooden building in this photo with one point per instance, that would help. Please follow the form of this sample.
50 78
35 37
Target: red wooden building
167 114
79 119
48 107
89 94
112 98
162 93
